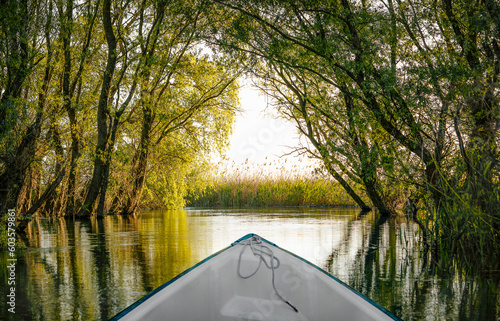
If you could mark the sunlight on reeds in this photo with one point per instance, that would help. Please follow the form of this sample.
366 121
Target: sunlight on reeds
281 182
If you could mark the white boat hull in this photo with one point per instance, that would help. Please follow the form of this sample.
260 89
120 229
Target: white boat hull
215 289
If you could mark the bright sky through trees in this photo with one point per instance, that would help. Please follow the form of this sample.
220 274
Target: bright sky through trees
258 132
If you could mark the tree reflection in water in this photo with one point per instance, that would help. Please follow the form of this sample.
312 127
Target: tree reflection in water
92 269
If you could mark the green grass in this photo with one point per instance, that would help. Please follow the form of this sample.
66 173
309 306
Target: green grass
263 187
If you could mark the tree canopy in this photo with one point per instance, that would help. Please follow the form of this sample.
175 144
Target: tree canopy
401 97
99 95
102 100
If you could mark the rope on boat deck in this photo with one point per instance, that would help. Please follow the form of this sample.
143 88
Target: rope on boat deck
261 251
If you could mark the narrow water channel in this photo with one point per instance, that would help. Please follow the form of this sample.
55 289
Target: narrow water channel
92 269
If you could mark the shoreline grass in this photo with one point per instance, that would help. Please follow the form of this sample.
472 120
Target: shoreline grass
263 186
271 193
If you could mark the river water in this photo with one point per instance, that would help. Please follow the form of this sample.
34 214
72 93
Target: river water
92 269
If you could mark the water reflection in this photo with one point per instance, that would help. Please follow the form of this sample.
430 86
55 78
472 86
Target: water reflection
92 269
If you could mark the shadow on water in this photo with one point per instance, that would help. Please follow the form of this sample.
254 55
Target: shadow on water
92 269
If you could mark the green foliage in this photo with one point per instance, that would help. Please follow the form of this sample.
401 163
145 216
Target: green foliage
464 228
171 104
401 96
172 173
190 122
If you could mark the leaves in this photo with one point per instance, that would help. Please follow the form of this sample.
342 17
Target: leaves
187 96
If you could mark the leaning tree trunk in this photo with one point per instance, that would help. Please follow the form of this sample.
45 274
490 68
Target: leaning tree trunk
327 161
356 198
102 151
368 173
105 177
75 154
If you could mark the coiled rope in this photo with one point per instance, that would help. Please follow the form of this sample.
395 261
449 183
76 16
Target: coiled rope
261 251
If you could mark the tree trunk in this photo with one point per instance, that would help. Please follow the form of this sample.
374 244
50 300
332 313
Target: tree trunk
326 160
48 193
102 151
17 64
50 202
105 178
139 170
347 187
75 154
368 171
372 187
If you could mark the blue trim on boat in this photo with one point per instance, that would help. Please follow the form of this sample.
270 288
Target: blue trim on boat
161 287
245 237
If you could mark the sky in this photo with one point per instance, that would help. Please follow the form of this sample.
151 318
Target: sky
257 135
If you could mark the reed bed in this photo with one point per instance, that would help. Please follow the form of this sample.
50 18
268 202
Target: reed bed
276 183
465 231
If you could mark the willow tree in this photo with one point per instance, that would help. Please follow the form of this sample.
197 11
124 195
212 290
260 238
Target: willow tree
88 82
103 111
191 117
426 72
344 46
19 129
348 143
167 36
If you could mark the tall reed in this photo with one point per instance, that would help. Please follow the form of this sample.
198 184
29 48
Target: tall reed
463 228
468 234
271 184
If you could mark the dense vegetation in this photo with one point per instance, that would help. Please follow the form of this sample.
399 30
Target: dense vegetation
103 100
398 96
107 103
272 184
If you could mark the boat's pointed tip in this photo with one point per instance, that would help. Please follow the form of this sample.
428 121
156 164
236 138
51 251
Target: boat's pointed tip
253 235
249 235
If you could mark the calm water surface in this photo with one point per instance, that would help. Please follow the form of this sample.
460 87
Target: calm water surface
92 269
